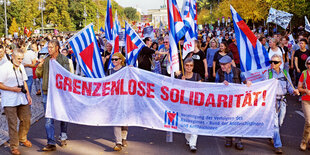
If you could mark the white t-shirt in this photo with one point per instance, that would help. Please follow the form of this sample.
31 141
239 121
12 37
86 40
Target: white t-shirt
8 78
3 60
29 56
279 52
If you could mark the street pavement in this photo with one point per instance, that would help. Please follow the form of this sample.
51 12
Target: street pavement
91 140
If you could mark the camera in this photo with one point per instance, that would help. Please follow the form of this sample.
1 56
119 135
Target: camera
23 89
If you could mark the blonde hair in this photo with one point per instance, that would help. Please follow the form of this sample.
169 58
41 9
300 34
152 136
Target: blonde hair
217 43
120 55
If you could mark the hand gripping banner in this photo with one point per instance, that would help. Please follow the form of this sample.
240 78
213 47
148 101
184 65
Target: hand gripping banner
134 97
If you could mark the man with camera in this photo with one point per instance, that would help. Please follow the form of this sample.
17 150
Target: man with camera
15 100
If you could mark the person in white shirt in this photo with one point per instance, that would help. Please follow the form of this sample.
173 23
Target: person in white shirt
29 62
15 100
274 49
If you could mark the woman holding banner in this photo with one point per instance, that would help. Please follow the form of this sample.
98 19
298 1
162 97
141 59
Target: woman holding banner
120 132
191 139
303 87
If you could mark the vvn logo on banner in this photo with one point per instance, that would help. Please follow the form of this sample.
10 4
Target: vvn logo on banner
171 119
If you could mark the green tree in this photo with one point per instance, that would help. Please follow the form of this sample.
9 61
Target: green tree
131 13
14 27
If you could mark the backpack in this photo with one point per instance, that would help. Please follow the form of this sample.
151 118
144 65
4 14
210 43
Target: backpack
279 48
305 78
271 75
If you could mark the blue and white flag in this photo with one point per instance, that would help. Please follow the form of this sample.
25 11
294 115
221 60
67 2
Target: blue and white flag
307 24
254 60
101 29
85 47
176 31
109 23
116 31
291 40
133 45
190 20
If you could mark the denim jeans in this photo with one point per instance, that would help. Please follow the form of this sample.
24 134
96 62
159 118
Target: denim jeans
37 84
50 127
29 83
279 117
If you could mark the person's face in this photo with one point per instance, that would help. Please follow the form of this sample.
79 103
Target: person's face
160 41
222 47
116 60
275 63
64 52
271 43
302 44
8 51
166 42
34 47
225 67
283 41
189 67
52 49
17 59
213 44
149 42
264 41
226 36
155 46
308 64
109 47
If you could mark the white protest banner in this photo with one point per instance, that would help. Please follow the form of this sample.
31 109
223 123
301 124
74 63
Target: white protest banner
134 97
279 17
148 32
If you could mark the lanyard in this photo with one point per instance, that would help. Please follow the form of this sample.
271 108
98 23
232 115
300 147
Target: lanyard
16 74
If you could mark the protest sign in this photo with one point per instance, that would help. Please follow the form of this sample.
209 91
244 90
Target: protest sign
135 97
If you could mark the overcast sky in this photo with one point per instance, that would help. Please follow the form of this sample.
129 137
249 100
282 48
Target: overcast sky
144 5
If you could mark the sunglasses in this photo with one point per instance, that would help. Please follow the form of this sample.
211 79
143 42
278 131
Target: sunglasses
275 62
189 65
308 63
166 42
115 59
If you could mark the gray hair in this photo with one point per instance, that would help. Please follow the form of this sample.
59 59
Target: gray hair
188 60
308 59
17 51
277 56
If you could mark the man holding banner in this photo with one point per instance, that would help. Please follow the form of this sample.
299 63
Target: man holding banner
229 74
43 71
285 85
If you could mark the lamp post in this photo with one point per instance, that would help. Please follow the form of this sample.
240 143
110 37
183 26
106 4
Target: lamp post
85 14
6 3
34 22
42 8
98 20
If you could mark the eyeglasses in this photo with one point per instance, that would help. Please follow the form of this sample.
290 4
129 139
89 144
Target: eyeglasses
189 65
114 59
308 63
166 42
275 62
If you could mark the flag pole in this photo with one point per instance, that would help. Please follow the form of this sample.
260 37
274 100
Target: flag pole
288 80
181 59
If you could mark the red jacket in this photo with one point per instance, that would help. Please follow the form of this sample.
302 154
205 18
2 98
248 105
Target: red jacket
234 49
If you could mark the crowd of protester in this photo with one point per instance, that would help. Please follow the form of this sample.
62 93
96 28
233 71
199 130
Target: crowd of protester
215 58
